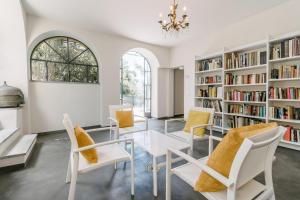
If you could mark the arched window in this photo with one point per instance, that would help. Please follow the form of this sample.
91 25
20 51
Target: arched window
63 59
135 80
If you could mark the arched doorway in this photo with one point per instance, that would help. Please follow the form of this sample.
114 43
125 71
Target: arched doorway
135 82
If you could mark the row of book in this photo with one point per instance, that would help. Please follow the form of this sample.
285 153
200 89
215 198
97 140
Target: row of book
209 79
216 104
239 60
292 134
231 79
210 64
236 95
284 112
218 121
236 121
212 91
286 48
251 110
284 93
286 71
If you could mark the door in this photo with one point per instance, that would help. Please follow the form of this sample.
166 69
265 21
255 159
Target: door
135 83
178 91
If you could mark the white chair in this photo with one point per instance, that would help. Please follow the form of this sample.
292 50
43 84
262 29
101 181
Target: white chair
109 153
128 130
189 138
253 157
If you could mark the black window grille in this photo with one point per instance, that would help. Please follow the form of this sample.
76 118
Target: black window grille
63 59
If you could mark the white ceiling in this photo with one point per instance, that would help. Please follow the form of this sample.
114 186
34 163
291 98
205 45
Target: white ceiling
137 19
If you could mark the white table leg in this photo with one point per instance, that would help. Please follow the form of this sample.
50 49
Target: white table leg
154 171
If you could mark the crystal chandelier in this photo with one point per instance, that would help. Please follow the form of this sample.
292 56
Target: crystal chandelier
174 24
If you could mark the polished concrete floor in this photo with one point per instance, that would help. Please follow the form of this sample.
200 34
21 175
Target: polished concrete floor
44 177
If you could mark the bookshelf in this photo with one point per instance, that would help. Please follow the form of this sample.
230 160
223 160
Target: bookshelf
245 79
259 82
283 64
209 85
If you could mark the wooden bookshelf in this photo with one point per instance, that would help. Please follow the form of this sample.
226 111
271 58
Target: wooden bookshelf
247 116
201 77
246 85
209 98
208 71
240 62
284 79
254 67
245 68
286 100
283 60
208 84
285 120
290 145
245 102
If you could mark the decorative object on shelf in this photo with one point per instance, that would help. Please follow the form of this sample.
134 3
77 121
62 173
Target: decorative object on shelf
10 97
174 24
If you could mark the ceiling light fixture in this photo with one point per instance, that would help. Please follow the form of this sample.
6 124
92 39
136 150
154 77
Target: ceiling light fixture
174 24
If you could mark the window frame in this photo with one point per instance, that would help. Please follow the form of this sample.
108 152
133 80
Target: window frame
68 63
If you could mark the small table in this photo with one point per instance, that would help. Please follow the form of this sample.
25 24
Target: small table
156 144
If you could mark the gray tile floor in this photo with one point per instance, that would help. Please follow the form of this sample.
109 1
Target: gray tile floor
44 177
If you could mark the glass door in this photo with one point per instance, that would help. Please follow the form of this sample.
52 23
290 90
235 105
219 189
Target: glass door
135 79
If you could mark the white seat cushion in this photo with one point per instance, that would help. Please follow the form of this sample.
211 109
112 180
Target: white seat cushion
132 129
138 119
108 154
190 174
181 135
246 192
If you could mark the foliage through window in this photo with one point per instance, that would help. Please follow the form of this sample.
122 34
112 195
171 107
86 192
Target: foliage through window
135 82
63 59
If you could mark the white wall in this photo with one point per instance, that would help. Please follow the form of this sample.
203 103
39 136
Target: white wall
13 68
165 92
87 104
277 20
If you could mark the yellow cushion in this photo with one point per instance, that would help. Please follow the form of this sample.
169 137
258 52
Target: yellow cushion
84 139
125 118
222 157
196 118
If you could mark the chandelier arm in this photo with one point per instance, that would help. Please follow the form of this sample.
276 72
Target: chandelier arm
173 24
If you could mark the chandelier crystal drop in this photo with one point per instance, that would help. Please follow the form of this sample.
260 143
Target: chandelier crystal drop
174 24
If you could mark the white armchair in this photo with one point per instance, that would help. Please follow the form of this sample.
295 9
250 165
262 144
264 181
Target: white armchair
189 138
128 130
109 153
253 157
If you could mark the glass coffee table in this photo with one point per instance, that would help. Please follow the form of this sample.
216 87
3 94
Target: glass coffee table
156 144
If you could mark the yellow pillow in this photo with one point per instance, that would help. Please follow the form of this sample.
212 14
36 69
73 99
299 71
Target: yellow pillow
84 139
222 157
196 118
125 118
